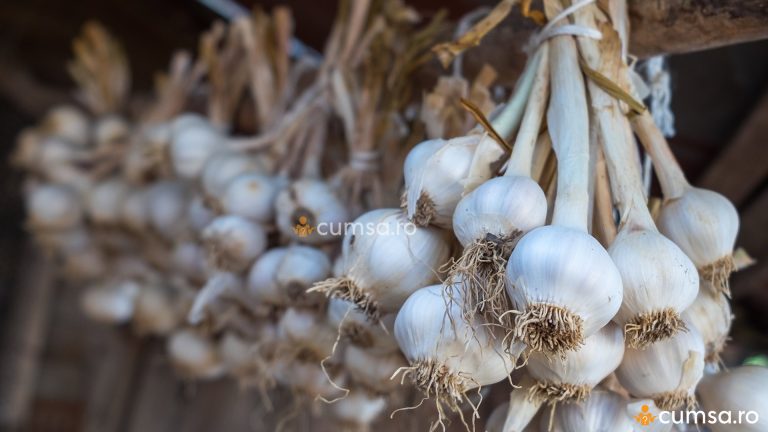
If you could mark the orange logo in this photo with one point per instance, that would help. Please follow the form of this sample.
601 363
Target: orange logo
645 418
302 229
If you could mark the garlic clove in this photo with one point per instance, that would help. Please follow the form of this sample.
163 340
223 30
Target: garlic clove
54 207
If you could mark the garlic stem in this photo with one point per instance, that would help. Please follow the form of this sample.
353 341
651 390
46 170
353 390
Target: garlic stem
671 176
569 128
509 117
521 161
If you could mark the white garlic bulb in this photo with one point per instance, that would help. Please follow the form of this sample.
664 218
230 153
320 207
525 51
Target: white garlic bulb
306 205
359 409
252 196
704 224
308 378
111 304
373 370
434 171
110 129
299 268
262 285
54 207
68 123
199 215
666 371
193 355
570 379
104 201
659 281
354 326
134 210
233 243
219 288
190 260
602 411
221 168
711 315
448 355
739 390
167 202
155 311
306 334
385 259
193 141
565 285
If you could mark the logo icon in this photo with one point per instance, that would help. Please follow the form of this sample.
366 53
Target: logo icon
645 417
302 229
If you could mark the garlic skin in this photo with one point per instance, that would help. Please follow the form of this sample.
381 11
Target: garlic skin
261 284
571 378
359 409
167 202
193 141
705 225
53 207
315 201
69 123
434 172
602 411
372 369
193 355
233 243
740 389
561 273
666 371
221 168
112 304
660 282
711 315
448 356
382 268
104 201
252 196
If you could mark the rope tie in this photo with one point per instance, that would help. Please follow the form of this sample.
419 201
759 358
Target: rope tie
365 160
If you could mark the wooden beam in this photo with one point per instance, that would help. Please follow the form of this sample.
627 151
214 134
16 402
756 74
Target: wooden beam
754 239
742 166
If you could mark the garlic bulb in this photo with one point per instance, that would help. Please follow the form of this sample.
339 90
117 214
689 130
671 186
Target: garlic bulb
359 409
299 268
373 370
602 411
386 258
711 316
354 326
221 286
167 202
110 129
193 141
252 196
571 378
221 168
308 379
104 201
306 334
666 371
194 355
53 207
261 278
304 206
233 243
238 354
134 209
68 123
199 215
702 222
434 171
561 281
155 311
739 390
448 356
190 260
111 304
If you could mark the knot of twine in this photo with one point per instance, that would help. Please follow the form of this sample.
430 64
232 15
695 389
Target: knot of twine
552 28
365 160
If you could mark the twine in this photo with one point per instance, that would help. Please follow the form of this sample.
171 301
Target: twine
365 160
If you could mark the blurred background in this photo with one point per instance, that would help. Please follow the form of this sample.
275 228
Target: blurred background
60 373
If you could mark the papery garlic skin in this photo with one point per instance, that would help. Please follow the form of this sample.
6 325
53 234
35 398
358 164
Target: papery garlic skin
557 271
449 356
233 243
433 172
666 371
711 315
314 203
705 225
660 282
194 355
385 259
571 378
252 196
54 207
742 389
602 411
193 141
104 201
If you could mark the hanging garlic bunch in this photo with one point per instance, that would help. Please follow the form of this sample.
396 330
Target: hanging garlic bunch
601 411
711 316
490 219
571 378
384 259
739 390
307 204
448 356
560 279
702 222
666 371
